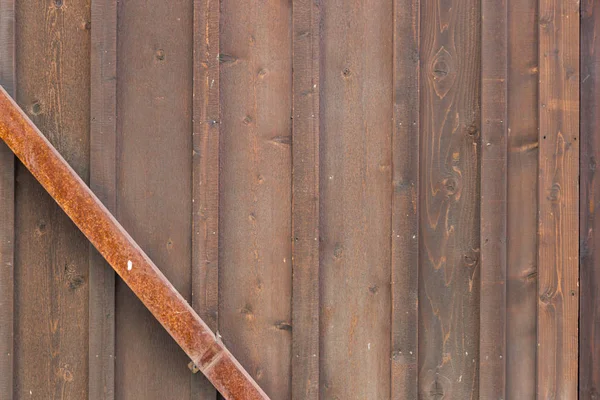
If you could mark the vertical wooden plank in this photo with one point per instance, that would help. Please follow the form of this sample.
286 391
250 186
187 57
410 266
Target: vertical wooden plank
305 199
589 296
449 279
356 194
103 182
558 285
492 339
405 217
51 255
205 170
154 184
255 279
521 291
7 207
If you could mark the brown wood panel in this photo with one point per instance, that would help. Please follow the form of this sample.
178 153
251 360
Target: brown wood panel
305 194
558 284
589 296
494 138
7 208
154 185
103 182
205 169
356 196
255 273
405 217
449 279
521 290
51 255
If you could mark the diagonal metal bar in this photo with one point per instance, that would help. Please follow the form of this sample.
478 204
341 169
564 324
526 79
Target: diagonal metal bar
118 248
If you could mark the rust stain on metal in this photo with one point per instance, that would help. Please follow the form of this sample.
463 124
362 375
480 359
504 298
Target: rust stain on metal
124 255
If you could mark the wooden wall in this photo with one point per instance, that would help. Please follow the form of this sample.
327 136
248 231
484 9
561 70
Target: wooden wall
365 199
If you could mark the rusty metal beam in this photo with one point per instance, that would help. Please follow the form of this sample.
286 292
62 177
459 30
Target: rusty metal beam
126 257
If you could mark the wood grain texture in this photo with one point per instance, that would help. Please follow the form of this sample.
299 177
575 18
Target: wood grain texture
449 276
51 255
205 178
494 138
103 182
305 199
255 266
589 228
405 213
521 290
356 195
558 252
7 208
154 185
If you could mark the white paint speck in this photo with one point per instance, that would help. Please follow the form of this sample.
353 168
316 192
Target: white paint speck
129 265
369 346
460 378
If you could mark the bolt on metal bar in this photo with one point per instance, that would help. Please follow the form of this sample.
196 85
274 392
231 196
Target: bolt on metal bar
126 257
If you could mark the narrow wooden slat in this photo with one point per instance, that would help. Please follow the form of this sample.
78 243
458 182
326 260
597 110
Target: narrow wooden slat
356 193
123 254
558 287
521 291
205 170
305 200
492 339
449 279
255 266
103 182
51 255
589 296
405 217
7 209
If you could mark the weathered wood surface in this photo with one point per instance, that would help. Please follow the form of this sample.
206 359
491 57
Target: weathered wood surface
154 186
305 204
205 174
51 256
558 191
7 208
449 276
346 191
255 254
589 320
521 290
405 207
494 148
355 201
126 257
103 182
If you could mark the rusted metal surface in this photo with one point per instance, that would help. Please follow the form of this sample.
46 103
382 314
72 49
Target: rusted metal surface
124 255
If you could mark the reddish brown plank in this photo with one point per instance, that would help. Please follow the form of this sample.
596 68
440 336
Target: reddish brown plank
103 182
255 273
521 290
356 194
51 255
449 279
405 217
154 184
494 138
205 170
305 204
558 284
7 208
589 296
